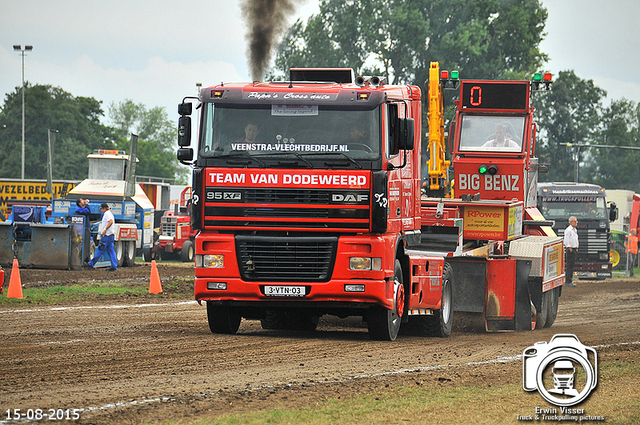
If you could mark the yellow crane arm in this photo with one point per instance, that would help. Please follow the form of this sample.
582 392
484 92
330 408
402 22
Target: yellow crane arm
437 163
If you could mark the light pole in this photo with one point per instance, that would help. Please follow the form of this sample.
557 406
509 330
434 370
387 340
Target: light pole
18 48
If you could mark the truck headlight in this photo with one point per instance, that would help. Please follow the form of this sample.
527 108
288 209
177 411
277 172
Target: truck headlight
365 263
604 256
210 261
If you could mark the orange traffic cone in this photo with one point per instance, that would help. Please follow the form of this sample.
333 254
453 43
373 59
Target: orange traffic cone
15 284
155 287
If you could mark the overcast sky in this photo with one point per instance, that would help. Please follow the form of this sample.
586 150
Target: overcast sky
154 52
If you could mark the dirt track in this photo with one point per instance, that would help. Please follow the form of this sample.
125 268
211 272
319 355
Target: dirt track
127 361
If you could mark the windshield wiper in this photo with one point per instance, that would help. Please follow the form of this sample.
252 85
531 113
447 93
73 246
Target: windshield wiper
353 161
297 155
244 154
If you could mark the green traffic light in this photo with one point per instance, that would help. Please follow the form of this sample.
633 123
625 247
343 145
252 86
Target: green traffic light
454 75
483 169
537 76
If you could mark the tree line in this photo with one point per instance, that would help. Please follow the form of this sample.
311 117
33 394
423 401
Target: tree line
397 39
78 122
482 39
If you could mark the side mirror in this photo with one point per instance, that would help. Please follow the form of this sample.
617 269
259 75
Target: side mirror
185 155
406 133
613 212
184 130
184 108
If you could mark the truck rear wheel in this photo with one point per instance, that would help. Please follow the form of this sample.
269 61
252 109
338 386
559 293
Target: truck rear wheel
440 323
147 254
552 311
119 247
384 324
274 320
129 253
542 315
222 320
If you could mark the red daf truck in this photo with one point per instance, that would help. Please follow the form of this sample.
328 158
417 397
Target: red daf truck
176 237
307 198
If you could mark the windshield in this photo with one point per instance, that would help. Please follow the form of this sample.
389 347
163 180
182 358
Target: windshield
487 133
285 129
578 206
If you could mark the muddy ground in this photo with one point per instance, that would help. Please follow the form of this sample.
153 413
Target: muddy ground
148 359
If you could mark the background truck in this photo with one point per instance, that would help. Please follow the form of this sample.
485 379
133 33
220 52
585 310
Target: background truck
133 214
321 211
177 238
588 203
628 203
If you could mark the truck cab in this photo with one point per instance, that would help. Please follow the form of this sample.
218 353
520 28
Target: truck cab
494 141
588 203
306 194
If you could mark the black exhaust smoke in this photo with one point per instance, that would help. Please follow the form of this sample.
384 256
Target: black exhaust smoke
266 21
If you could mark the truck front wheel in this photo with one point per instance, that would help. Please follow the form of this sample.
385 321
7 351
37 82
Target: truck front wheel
384 324
222 320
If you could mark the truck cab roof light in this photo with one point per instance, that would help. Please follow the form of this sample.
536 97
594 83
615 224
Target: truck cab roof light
363 95
217 94
109 151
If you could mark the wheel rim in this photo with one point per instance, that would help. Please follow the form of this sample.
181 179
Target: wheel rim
399 299
614 257
446 301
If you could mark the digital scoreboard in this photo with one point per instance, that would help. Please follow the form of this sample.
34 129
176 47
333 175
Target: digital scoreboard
495 95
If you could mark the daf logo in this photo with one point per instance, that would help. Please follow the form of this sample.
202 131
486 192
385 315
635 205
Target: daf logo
339 197
224 196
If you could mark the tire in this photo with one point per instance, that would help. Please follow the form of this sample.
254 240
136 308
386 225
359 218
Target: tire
618 257
222 320
187 252
119 247
384 324
147 255
129 253
441 322
92 249
274 320
542 315
552 307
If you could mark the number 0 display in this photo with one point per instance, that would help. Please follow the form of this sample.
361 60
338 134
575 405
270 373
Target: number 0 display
494 95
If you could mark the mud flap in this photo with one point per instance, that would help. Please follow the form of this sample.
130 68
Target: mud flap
524 315
508 306
469 277
496 287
